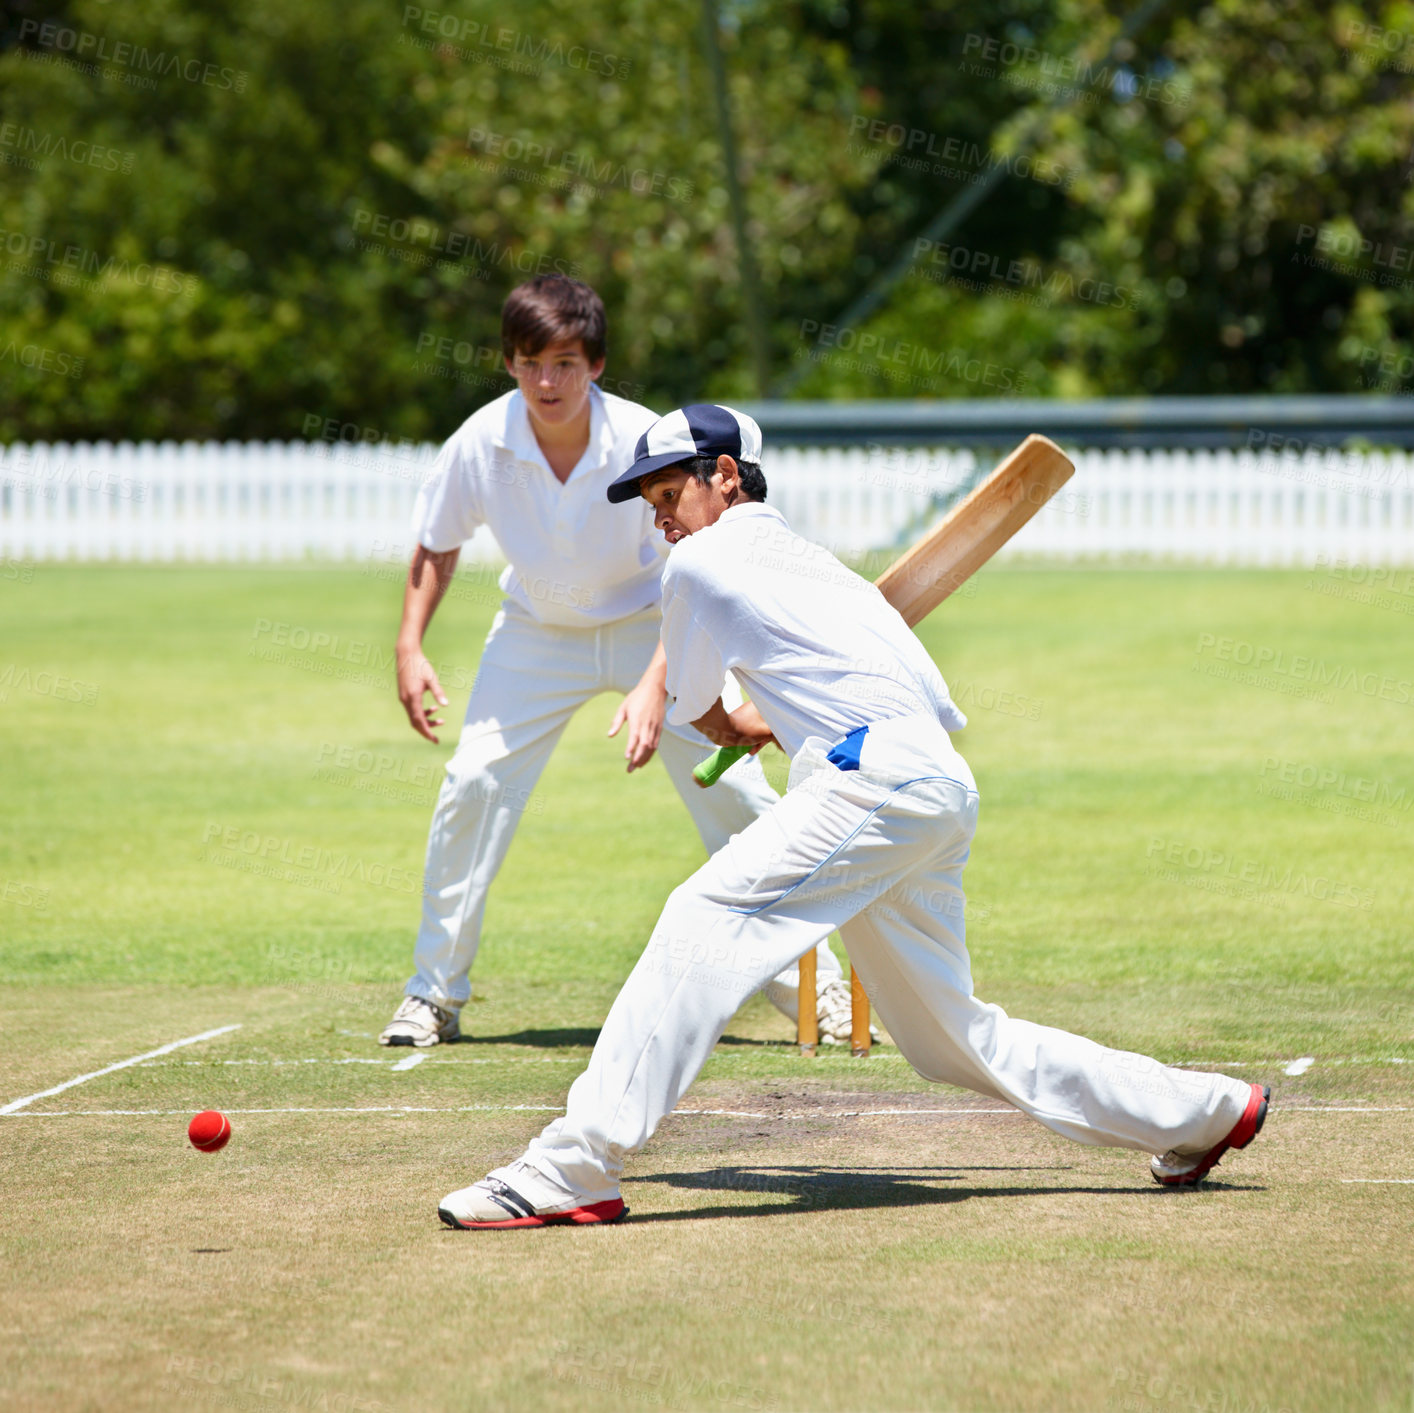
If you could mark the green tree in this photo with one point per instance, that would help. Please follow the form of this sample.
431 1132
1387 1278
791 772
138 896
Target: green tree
251 223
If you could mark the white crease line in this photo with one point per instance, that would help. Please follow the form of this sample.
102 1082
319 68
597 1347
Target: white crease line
410 1063
534 1108
1397 1180
837 1113
394 1064
513 1109
121 1065
560 1109
1290 1067
362 1109
1306 1061
1336 1109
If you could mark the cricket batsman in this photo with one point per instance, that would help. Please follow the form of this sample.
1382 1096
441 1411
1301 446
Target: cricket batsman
580 616
871 837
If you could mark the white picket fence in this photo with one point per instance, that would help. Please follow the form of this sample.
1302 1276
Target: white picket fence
254 501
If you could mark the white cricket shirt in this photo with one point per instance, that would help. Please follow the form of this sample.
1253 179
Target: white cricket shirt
573 559
817 647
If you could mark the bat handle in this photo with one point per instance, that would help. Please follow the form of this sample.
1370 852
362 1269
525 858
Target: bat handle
711 770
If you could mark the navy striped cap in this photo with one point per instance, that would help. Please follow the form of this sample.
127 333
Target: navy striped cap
700 429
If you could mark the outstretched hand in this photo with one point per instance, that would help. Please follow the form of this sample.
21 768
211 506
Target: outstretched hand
416 676
644 709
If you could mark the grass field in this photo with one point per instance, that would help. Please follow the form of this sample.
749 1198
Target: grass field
215 816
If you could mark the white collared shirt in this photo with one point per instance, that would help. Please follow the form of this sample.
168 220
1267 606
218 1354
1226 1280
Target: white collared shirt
817 647
573 559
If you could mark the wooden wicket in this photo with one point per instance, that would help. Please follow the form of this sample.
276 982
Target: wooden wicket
807 1022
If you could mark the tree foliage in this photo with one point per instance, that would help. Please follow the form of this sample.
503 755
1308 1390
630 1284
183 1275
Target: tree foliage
288 216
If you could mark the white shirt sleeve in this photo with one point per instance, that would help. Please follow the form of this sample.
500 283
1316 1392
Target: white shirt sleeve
448 509
696 674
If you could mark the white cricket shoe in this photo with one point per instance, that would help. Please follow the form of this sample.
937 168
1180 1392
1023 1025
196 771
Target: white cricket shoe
520 1195
1177 1168
419 1022
836 1013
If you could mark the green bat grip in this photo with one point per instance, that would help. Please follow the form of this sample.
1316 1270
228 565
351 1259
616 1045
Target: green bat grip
718 763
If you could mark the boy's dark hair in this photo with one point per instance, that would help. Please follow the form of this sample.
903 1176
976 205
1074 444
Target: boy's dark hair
550 309
702 468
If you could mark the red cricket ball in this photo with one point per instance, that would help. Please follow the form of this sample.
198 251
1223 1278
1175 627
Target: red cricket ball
209 1130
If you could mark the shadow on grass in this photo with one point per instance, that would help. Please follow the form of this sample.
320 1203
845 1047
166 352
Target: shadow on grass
823 1189
562 1038
586 1036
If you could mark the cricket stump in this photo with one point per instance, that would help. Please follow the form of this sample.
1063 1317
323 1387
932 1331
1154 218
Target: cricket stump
807 1023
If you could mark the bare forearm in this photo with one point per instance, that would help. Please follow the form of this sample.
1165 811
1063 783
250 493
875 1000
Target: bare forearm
742 727
429 574
655 675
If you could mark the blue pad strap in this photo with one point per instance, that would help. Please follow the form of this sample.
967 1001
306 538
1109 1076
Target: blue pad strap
845 754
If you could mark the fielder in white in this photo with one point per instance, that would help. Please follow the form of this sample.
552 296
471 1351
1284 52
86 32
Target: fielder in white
870 838
580 616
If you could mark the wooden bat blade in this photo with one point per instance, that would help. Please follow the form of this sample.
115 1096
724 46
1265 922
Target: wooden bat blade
975 528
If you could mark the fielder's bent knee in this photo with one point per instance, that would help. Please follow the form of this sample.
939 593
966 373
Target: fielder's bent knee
475 783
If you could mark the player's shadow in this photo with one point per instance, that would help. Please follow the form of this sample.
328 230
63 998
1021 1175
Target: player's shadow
821 1189
558 1038
586 1036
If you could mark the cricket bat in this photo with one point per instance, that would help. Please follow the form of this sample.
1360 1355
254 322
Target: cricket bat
954 550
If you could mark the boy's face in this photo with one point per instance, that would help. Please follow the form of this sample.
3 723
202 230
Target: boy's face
683 505
555 382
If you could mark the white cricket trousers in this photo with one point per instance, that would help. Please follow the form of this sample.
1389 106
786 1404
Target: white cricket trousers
530 681
877 852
